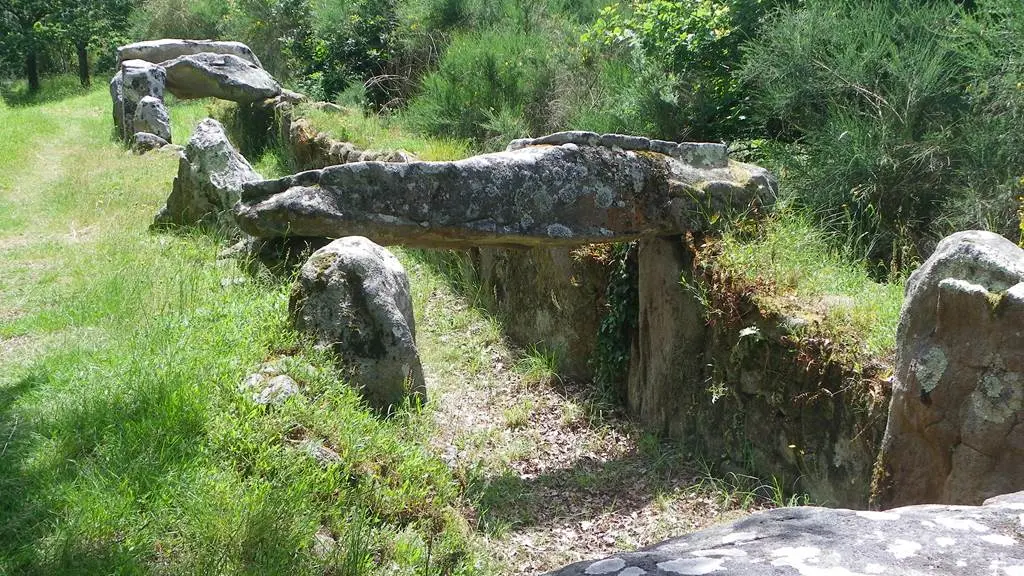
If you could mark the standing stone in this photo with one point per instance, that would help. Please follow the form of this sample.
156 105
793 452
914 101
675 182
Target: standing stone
136 80
352 296
151 116
956 423
210 177
668 355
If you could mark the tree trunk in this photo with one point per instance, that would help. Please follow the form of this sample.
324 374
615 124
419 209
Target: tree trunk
83 63
32 70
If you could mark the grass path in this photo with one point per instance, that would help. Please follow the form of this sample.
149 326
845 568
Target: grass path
126 446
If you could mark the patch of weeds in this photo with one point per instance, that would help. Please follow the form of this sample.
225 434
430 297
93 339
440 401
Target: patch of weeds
610 360
518 415
538 367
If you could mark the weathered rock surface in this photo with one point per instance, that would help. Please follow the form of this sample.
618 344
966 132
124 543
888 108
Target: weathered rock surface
135 80
910 541
169 48
550 195
956 423
209 180
223 76
151 116
353 297
143 142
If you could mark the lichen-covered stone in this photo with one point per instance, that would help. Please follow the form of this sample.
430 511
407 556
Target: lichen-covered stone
151 116
352 296
910 541
169 48
956 423
135 80
223 76
143 142
210 177
539 195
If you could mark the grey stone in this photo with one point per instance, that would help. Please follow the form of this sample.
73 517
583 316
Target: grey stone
625 142
518 144
955 432
143 142
539 195
209 180
170 48
223 76
571 137
663 147
135 80
269 385
703 154
151 116
352 296
910 541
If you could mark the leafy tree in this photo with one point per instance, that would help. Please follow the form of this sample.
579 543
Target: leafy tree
24 27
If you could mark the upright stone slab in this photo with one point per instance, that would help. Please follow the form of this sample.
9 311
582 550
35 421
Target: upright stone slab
956 423
668 355
210 177
151 116
135 80
352 296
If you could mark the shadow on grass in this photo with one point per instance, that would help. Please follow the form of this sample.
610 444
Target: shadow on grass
56 452
52 89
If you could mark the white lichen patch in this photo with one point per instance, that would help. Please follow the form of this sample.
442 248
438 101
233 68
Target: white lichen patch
798 554
633 571
692 566
873 515
874 568
929 368
999 539
720 553
904 548
738 537
1013 570
964 524
999 396
945 541
606 566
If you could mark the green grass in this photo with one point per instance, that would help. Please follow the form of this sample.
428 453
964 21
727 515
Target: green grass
801 273
125 444
380 132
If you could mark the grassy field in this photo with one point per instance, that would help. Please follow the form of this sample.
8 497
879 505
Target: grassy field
126 446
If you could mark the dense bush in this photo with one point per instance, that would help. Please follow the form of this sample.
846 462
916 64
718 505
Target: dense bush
872 108
490 85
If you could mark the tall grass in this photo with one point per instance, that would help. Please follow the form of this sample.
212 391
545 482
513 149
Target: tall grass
125 444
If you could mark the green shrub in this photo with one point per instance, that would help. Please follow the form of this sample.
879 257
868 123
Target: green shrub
487 82
179 19
870 94
685 54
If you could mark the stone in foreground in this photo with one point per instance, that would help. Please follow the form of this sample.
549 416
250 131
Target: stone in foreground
224 76
210 177
956 422
536 195
910 541
169 48
352 296
151 116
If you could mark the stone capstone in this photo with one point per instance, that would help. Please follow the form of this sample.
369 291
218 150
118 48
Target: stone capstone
151 116
210 177
171 48
223 76
135 80
538 195
955 432
909 541
352 297
701 154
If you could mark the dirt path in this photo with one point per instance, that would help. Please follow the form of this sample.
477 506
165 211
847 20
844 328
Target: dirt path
560 480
